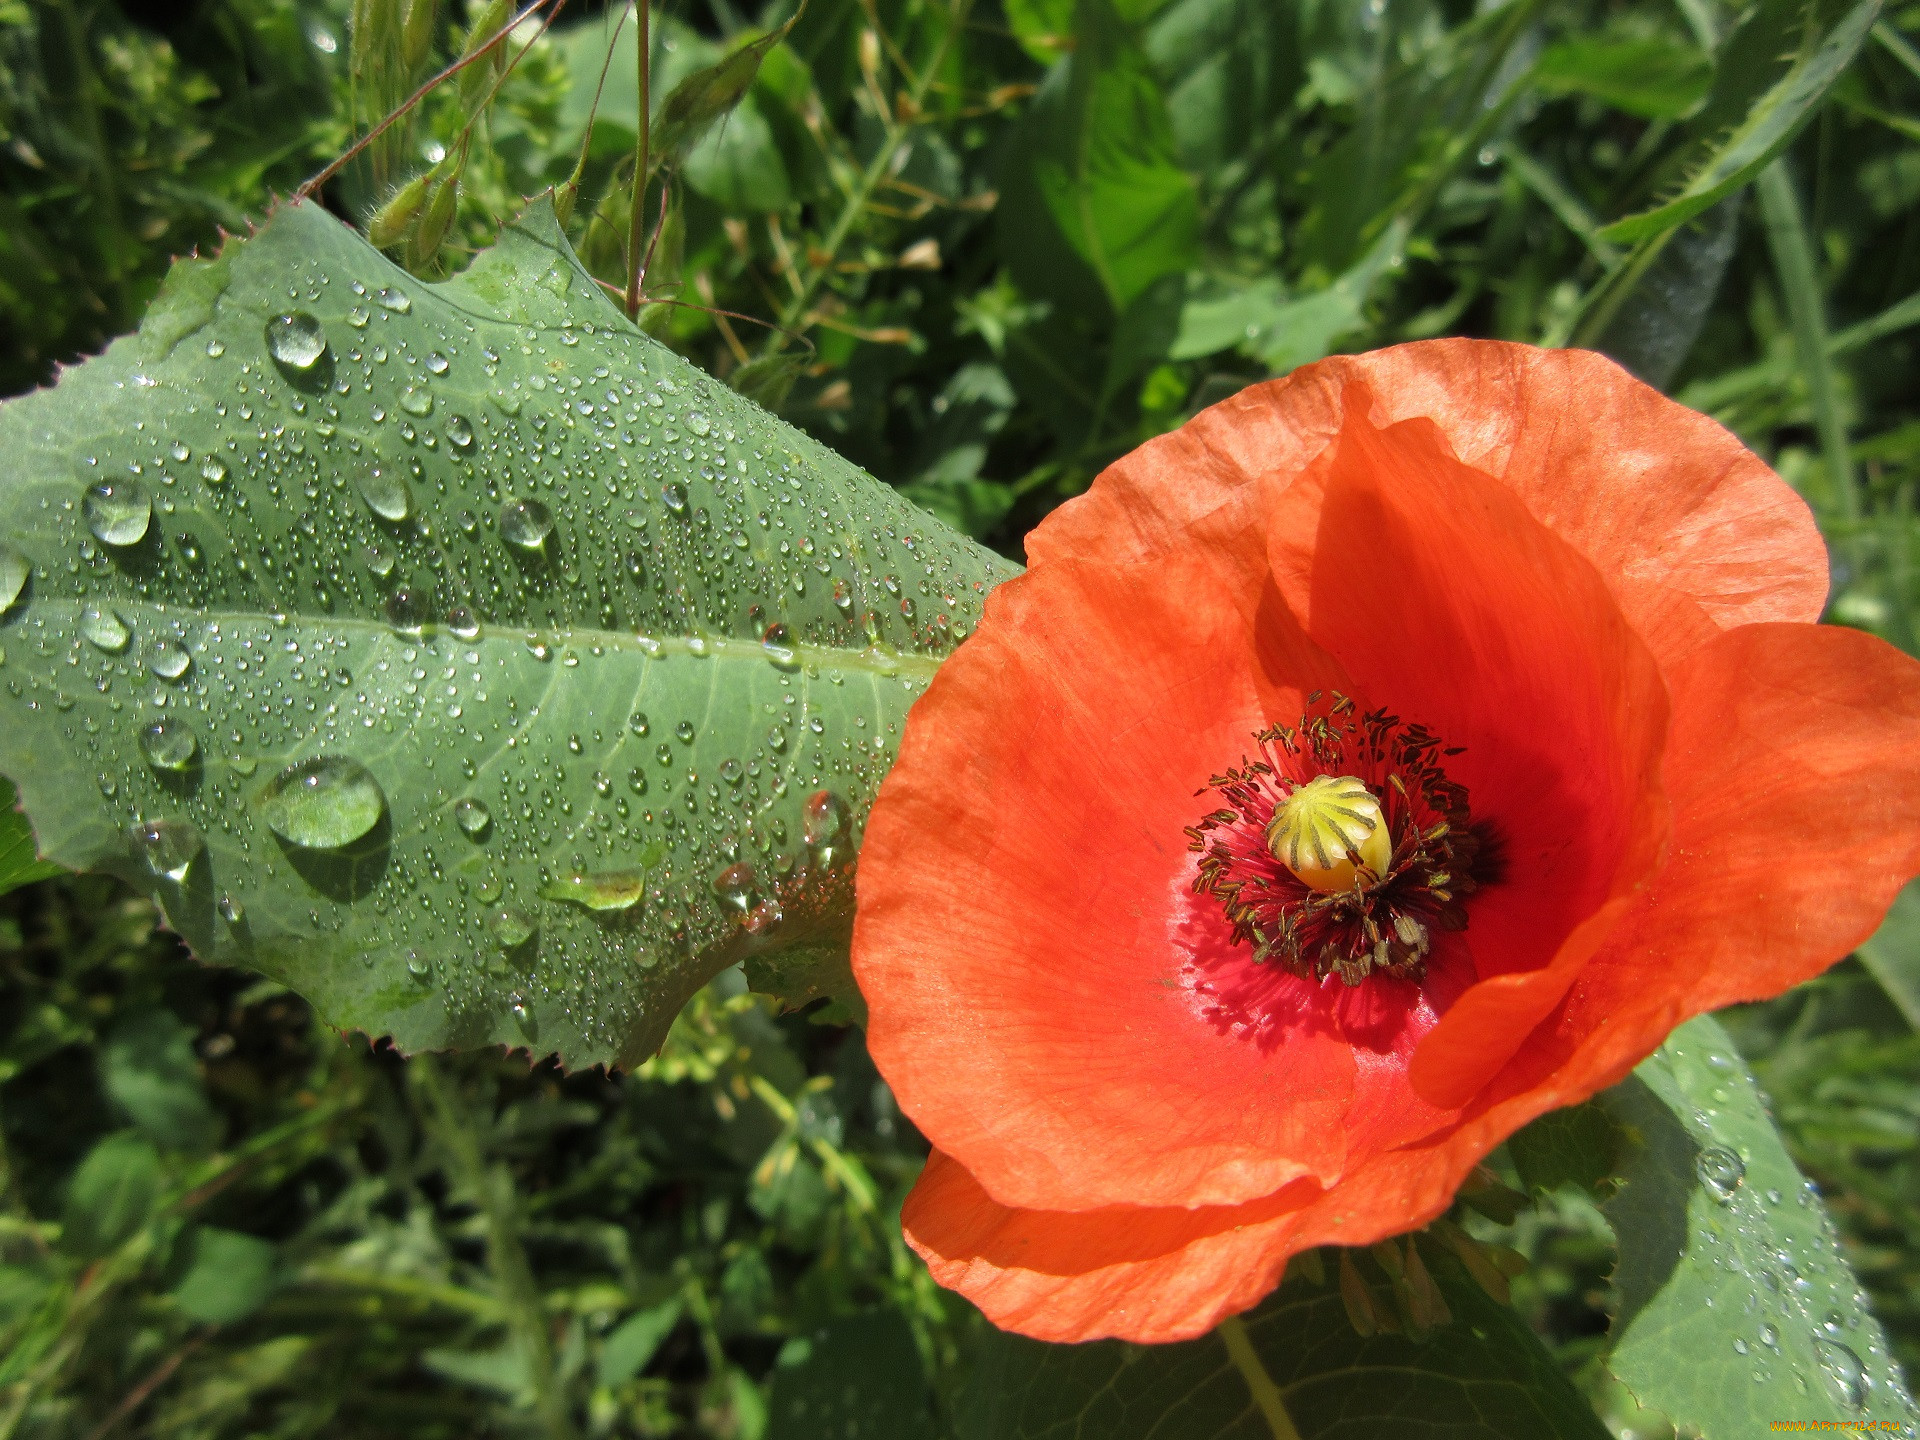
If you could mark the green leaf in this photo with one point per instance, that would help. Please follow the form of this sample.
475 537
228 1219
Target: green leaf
228 1275
1103 158
631 1344
1727 1258
111 1195
413 653
1481 1374
855 1378
1654 78
1576 1146
1766 129
19 864
1892 955
1659 310
147 1065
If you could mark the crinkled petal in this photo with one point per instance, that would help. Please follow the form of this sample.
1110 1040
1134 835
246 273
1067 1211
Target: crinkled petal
1690 529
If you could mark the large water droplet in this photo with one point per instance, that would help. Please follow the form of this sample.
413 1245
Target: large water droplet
168 744
511 928
166 847
386 494
13 576
463 623
605 890
416 400
213 470
1720 1170
296 341
777 645
459 432
168 659
698 423
1846 1376
323 803
407 611
824 822
675 496
472 816
525 523
104 628
735 885
118 511
397 301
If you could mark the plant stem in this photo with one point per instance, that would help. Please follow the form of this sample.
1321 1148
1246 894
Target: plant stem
1800 280
492 1187
1266 1394
869 181
636 222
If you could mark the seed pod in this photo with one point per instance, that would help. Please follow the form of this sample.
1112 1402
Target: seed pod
436 218
392 221
416 32
476 77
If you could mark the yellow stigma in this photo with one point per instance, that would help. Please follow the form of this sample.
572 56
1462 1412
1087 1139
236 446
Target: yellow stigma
1329 830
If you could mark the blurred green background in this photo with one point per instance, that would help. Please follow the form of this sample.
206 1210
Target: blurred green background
982 249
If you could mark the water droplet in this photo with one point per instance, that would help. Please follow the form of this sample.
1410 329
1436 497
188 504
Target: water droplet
213 470
471 816
168 659
407 611
525 524
777 645
1739 1346
732 771
1721 1171
824 822
231 910
13 576
394 300
637 722
378 560
436 362
386 494
511 928
169 744
698 423
843 597
416 400
606 890
735 885
685 731
104 628
296 341
1846 1376
459 432
418 967
463 623
1770 1337
522 1016
323 803
675 496
166 847
118 511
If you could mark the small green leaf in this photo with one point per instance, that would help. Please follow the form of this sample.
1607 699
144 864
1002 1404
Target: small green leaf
227 1276
455 654
1892 955
19 864
111 1195
1766 130
147 1065
1647 76
1727 1258
631 1344
1482 1373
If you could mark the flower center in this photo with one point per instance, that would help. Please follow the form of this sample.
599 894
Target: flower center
1342 847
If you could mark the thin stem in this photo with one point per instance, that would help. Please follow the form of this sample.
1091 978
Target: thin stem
1266 1394
1800 280
506 1259
870 178
636 222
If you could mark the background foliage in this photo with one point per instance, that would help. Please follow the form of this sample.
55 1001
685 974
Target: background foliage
1008 241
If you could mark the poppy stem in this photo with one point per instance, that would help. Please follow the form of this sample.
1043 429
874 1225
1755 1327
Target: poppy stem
1266 1394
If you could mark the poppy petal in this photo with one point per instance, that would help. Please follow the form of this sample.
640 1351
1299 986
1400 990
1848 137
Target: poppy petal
1692 531
1016 888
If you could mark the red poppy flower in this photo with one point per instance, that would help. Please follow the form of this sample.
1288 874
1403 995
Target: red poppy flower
1394 753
